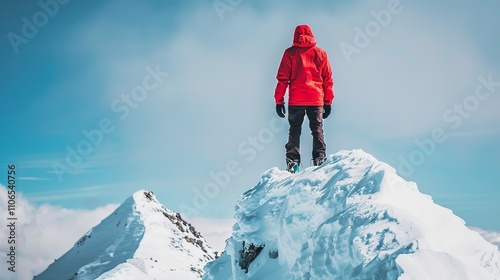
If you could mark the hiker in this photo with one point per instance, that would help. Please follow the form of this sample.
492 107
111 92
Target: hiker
306 72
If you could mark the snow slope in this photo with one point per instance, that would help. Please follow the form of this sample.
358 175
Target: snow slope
351 218
141 239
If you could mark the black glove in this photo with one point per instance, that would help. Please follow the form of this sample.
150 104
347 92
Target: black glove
327 110
280 110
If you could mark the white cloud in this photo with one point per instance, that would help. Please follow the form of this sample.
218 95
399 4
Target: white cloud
44 233
482 132
405 79
223 73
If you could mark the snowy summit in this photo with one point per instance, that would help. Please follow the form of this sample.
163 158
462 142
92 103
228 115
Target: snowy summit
350 218
141 239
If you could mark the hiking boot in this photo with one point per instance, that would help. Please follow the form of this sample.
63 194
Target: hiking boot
318 161
292 166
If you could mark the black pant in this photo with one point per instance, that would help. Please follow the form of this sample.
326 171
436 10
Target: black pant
296 118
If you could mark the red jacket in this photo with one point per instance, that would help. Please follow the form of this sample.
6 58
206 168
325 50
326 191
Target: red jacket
306 70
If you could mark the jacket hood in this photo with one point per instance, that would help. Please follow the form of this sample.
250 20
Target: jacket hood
303 36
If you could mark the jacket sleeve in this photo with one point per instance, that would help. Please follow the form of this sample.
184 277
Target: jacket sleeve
283 77
327 76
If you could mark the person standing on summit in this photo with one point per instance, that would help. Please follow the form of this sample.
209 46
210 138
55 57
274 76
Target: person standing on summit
306 72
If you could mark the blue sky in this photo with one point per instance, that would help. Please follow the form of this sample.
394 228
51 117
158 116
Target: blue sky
182 94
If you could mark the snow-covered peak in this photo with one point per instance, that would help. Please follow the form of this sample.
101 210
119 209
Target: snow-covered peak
351 218
141 239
